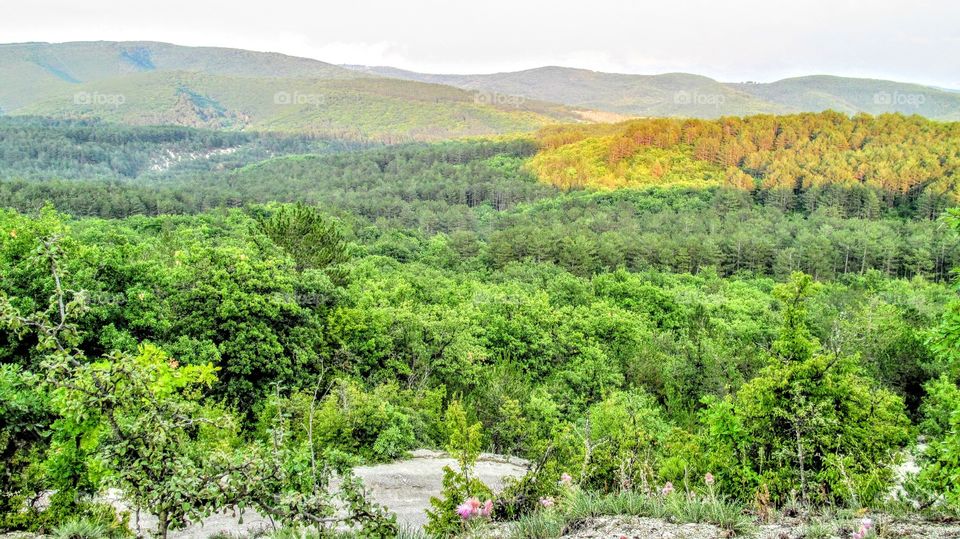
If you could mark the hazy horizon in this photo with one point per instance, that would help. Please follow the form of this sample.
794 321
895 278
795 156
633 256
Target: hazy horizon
731 42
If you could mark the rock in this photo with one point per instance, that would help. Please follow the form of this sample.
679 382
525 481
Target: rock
403 487
637 527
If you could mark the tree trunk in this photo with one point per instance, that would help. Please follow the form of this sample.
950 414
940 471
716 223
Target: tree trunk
162 524
803 475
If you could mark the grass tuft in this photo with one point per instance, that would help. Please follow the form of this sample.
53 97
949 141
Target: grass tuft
678 508
81 529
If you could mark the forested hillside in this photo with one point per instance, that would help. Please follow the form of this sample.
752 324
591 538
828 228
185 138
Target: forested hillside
861 165
689 95
36 148
731 321
383 110
32 71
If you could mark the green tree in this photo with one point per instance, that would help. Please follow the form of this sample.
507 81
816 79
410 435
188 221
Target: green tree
313 240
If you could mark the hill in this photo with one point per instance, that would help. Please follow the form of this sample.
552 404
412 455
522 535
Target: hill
34 70
687 95
849 95
386 110
673 94
859 163
143 83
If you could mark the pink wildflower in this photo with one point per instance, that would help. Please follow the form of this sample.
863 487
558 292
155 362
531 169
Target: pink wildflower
566 480
487 508
465 511
865 526
470 508
667 489
547 502
708 479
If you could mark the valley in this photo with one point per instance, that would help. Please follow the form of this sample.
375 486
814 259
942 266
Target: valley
367 302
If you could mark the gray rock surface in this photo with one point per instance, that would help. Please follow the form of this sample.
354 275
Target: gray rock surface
404 487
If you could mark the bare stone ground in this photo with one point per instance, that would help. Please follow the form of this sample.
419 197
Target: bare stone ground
644 528
403 487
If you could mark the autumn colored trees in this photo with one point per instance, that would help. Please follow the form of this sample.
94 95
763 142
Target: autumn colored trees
779 158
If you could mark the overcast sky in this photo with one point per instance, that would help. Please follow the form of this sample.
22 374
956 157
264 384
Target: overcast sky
763 40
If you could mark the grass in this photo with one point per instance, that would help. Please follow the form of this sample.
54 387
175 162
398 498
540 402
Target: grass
677 508
405 532
81 529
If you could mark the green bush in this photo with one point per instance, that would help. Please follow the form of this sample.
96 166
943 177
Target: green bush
940 464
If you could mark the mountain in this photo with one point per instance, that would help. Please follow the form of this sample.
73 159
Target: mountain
849 95
387 110
33 70
673 94
681 94
150 83
146 83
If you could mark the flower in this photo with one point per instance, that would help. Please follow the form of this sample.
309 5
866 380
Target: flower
465 510
667 489
547 502
865 526
471 508
566 480
708 479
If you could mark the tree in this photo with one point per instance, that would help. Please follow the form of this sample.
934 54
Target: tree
169 451
815 421
464 445
311 239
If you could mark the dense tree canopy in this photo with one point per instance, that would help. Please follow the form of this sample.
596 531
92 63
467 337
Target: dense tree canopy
299 315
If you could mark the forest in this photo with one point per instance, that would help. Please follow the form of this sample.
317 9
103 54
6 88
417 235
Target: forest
711 321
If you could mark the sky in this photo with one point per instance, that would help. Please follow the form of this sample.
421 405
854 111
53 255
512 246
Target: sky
731 41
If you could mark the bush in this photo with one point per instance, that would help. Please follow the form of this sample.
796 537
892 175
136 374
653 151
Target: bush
362 423
626 431
809 422
940 473
458 485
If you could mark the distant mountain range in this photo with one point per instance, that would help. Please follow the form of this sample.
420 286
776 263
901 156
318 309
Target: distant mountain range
160 83
683 94
145 83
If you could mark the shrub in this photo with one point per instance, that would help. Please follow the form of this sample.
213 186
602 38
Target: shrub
940 472
445 517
